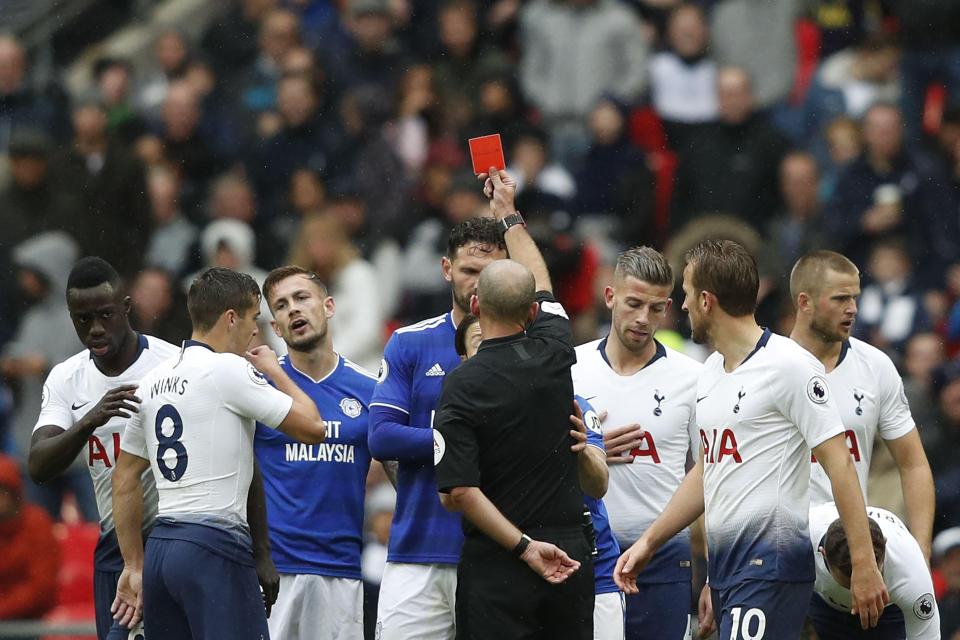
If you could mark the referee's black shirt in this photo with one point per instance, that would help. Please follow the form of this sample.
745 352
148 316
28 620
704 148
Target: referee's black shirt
502 425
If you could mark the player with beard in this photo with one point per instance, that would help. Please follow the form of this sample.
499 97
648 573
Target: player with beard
418 591
865 384
321 595
762 404
651 389
86 402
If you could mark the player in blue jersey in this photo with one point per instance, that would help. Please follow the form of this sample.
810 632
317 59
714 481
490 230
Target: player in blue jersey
418 591
315 493
608 610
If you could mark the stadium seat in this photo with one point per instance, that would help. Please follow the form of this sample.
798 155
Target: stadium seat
75 598
647 132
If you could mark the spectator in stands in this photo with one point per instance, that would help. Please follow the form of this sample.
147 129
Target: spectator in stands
171 53
930 34
221 126
111 183
759 38
21 105
849 82
159 307
417 109
375 56
946 561
29 554
683 77
44 337
324 248
174 238
840 145
923 355
797 228
564 82
379 506
113 77
464 60
890 307
33 201
309 137
840 23
889 190
257 87
532 168
183 146
231 41
501 108
731 165
615 181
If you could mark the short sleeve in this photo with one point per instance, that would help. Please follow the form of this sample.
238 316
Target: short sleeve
895 419
246 392
394 380
552 320
134 439
913 591
456 451
592 421
54 405
802 394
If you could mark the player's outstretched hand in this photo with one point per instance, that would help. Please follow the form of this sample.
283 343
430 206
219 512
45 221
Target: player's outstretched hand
121 401
869 595
629 564
264 359
579 431
705 613
269 581
619 440
127 607
549 561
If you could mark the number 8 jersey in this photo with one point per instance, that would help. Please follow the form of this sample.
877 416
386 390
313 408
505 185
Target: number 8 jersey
196 426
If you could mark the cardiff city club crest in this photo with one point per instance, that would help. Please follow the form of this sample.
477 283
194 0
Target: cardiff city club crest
350 407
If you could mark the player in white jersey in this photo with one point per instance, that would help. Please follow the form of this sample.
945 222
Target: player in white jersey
194 431
639 382
864 382
762 404
912 613
85 405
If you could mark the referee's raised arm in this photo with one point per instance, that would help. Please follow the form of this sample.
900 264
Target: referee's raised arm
501 188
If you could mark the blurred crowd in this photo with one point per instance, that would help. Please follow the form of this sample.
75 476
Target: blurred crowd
332 134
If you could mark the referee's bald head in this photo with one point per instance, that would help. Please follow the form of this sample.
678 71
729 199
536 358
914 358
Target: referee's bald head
506 292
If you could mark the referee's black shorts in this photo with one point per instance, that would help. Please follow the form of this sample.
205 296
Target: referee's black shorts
500 598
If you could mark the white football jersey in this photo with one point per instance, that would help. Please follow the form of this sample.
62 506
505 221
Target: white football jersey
905 572
73 388
661 398
757 426
869 394
196 427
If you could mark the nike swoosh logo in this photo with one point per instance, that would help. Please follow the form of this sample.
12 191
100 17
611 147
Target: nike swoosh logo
590 398
703 398
78 405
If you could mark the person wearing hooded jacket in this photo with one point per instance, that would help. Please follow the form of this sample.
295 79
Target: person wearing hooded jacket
28 580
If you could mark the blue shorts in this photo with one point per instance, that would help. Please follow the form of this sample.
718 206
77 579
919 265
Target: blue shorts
104 593
192 593
762 609
658 612
831 624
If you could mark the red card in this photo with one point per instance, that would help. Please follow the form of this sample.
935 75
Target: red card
486 152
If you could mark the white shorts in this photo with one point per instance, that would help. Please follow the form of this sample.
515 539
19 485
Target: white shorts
318 608
417 601
608 614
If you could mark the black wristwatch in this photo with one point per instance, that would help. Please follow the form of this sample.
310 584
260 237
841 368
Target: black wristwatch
512 220
525 541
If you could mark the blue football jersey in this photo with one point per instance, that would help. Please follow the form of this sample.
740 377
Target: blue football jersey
415 362
315 492
607 548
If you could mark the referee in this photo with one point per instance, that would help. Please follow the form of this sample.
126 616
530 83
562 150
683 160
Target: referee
502 450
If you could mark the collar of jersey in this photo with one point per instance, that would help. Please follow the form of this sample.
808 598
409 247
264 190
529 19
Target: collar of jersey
493 342
661 352
843 352
196 343
761 343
